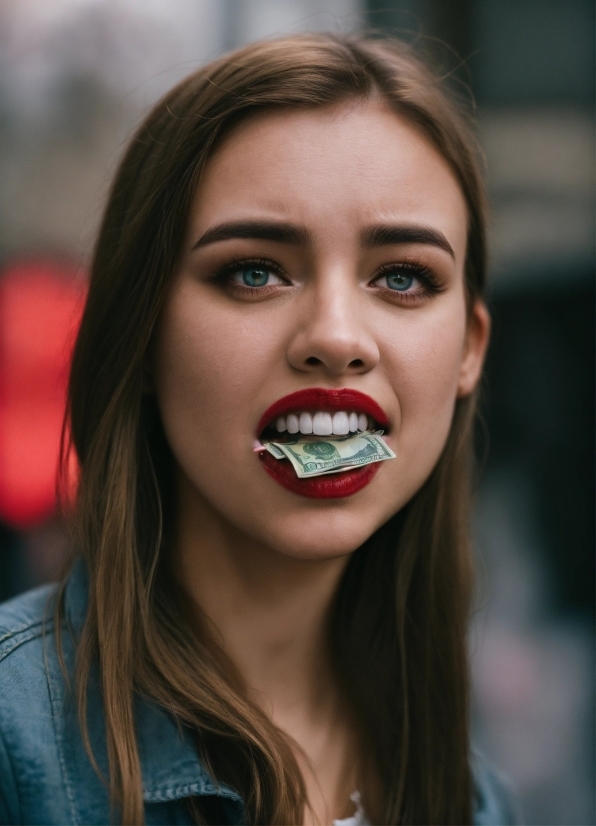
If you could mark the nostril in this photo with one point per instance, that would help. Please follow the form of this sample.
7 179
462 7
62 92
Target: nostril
313 361
356 363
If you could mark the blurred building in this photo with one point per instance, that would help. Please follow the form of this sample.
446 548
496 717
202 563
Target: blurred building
76 76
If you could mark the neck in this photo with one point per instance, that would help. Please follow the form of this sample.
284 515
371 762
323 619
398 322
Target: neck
270 609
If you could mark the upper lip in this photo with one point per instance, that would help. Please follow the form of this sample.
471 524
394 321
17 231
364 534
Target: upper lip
327 401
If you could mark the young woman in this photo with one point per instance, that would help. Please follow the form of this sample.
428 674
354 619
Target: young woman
294 241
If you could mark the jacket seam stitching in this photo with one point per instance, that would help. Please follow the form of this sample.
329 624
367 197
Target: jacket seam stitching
14 631
168 793
20 638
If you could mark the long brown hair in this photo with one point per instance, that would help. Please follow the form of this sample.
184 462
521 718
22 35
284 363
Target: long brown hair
399 620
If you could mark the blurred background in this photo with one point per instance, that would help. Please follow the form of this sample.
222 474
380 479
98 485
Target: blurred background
75 78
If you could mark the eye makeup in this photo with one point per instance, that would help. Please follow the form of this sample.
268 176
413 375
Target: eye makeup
224 278
401 275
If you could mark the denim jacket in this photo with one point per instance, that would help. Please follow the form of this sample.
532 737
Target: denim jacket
46 776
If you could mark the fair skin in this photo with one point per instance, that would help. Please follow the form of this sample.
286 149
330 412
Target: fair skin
336 306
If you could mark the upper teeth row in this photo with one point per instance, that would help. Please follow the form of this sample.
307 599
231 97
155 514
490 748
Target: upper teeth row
323 424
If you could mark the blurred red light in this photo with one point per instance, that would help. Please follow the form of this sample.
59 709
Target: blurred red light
40 310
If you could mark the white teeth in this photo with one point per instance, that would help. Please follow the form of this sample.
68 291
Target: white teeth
341 424
322 424
305 423
293 423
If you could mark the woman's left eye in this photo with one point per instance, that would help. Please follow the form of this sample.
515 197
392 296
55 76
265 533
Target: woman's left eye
255 277
398 280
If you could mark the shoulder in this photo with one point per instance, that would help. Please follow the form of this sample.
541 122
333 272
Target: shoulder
22 619
26 628
494 802
30 774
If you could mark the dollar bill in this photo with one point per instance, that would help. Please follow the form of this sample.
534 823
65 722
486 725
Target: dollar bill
313 456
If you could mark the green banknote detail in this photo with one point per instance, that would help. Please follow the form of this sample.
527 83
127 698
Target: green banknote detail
314 457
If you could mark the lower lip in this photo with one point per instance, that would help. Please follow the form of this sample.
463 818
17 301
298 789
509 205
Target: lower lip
329 486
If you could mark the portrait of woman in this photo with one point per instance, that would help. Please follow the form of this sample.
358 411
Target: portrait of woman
292 253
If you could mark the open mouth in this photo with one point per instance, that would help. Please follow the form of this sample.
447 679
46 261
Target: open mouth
321 412
314 414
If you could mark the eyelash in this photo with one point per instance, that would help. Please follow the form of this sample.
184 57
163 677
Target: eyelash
427 278
431 285
224 277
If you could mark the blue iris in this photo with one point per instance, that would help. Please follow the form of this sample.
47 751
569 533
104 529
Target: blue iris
399 281
254 277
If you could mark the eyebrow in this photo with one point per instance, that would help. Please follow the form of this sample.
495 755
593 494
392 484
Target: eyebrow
385 234
262 230
283 233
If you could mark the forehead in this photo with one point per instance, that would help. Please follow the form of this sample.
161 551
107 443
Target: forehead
357 163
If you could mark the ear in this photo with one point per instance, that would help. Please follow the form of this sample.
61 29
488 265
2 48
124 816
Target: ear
476 343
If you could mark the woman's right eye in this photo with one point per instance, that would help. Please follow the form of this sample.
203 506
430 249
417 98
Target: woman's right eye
254 277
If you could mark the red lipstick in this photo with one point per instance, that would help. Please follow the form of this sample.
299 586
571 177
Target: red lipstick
332 485
329 486
325 400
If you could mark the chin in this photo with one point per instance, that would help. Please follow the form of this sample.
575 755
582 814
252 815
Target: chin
321 536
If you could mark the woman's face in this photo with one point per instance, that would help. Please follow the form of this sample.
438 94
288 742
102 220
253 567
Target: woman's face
325 252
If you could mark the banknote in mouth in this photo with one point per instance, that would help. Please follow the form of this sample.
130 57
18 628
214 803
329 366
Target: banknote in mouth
313 456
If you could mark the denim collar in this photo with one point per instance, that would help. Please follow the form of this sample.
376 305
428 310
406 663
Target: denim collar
170 764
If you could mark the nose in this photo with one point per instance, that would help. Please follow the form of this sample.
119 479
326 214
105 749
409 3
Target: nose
332 337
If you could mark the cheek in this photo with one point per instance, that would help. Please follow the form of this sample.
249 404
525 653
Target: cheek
424 361
208 368
208 363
